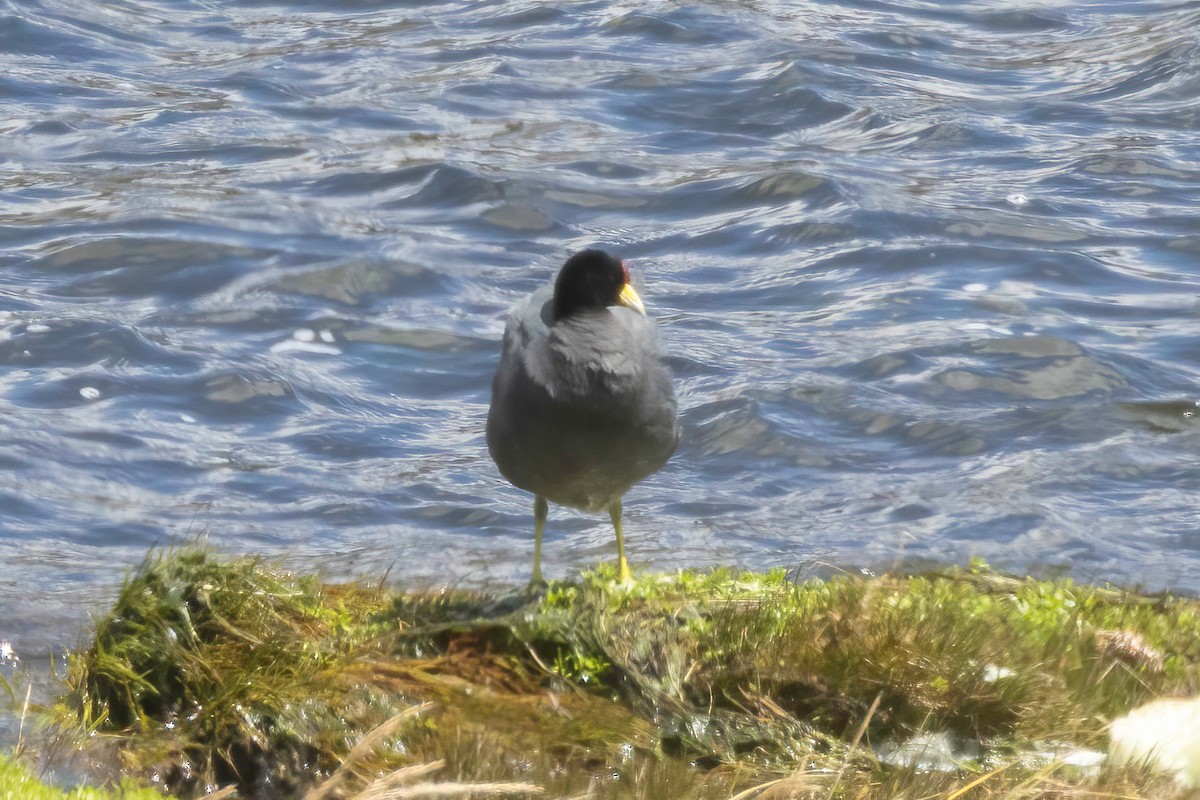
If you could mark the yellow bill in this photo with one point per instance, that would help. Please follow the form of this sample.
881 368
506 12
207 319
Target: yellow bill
630 299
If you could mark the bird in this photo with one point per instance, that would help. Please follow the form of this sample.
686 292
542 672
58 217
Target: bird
582 405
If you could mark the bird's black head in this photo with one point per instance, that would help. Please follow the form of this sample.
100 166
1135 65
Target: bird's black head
593 279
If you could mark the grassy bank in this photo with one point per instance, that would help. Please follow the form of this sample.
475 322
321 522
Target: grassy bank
212 673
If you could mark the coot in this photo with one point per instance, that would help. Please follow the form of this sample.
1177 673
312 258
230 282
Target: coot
582 405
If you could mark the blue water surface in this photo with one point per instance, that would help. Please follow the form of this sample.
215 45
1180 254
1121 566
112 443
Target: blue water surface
926 272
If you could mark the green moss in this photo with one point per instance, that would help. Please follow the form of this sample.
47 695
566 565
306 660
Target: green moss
18 783
225 670
706 681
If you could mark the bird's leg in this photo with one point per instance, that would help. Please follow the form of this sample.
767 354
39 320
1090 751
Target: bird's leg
540 509
623 573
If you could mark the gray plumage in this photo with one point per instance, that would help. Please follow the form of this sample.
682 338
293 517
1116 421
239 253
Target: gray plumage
582 407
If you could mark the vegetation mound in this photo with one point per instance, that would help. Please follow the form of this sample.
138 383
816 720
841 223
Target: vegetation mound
210 673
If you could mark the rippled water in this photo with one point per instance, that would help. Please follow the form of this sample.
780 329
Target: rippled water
927 274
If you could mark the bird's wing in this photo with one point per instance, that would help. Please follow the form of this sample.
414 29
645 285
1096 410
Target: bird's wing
594 359
528 323
615 341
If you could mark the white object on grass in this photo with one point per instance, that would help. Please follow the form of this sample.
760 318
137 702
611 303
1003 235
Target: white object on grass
1164 734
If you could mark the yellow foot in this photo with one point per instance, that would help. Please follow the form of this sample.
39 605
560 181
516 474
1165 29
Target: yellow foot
624 575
